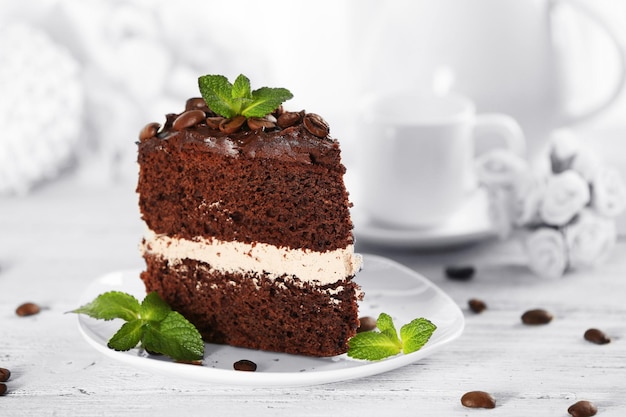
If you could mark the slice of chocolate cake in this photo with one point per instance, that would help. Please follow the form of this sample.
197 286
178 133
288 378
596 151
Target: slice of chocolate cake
249 232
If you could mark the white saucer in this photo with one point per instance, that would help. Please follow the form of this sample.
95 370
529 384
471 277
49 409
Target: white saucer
471 223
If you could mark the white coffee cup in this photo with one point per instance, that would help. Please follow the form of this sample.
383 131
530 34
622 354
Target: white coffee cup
417 156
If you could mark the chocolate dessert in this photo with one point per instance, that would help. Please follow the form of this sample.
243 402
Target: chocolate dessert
248 228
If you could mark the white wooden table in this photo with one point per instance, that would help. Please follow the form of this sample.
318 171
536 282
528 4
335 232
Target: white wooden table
55 242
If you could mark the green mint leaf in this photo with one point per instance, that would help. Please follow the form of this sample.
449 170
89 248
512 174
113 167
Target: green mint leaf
153 308
415 334
241 87
111 305
217 92
230 100
128 336
384 323
175 337
265 101
372 346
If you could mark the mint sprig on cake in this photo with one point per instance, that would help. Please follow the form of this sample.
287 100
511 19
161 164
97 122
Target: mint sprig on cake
237 99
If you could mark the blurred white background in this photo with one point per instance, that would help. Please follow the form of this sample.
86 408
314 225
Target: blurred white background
79 78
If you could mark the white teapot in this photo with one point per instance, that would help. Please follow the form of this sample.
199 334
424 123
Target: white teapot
505 54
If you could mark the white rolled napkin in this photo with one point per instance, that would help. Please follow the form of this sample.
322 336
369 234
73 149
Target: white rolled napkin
500 167
547 252
608 196
590 239
563 149
529 193
566 194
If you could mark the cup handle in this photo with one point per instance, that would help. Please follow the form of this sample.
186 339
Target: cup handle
498 130
620 49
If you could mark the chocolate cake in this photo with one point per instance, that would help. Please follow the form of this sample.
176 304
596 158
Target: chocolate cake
248 229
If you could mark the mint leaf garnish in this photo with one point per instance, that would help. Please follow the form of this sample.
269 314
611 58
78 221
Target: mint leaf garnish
152 323
415 334
128 336
372 346
384 342
111 305
230 100
153 308
175 337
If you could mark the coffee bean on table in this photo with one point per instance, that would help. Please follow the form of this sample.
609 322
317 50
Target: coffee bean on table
582 409
27 309
5 374
476 305
478 399
366 324
3 389
536 316
596 336
460 273
245 365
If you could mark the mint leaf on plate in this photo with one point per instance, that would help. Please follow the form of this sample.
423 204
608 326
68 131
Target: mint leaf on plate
384 341
372 346
175 337
128 336
152 323
415 334
111 305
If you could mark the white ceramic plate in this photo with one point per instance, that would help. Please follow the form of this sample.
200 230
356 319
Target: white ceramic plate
471 223
389 287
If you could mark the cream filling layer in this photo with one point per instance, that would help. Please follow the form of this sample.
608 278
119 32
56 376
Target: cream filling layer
318 268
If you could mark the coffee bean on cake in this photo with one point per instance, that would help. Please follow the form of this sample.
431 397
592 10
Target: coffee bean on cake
316 125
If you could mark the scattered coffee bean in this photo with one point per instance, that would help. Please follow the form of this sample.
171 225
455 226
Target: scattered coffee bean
150 130
27 309
478 399
188 119
5 374
232 125
536 316
3 389
476 305
245 365
460 273
596 336
366 324
582 409
289 119
316 125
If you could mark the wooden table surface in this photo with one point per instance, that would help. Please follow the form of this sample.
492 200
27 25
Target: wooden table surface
56 241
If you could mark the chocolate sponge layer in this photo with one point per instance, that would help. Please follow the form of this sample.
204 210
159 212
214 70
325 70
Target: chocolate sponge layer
283 188
256 312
